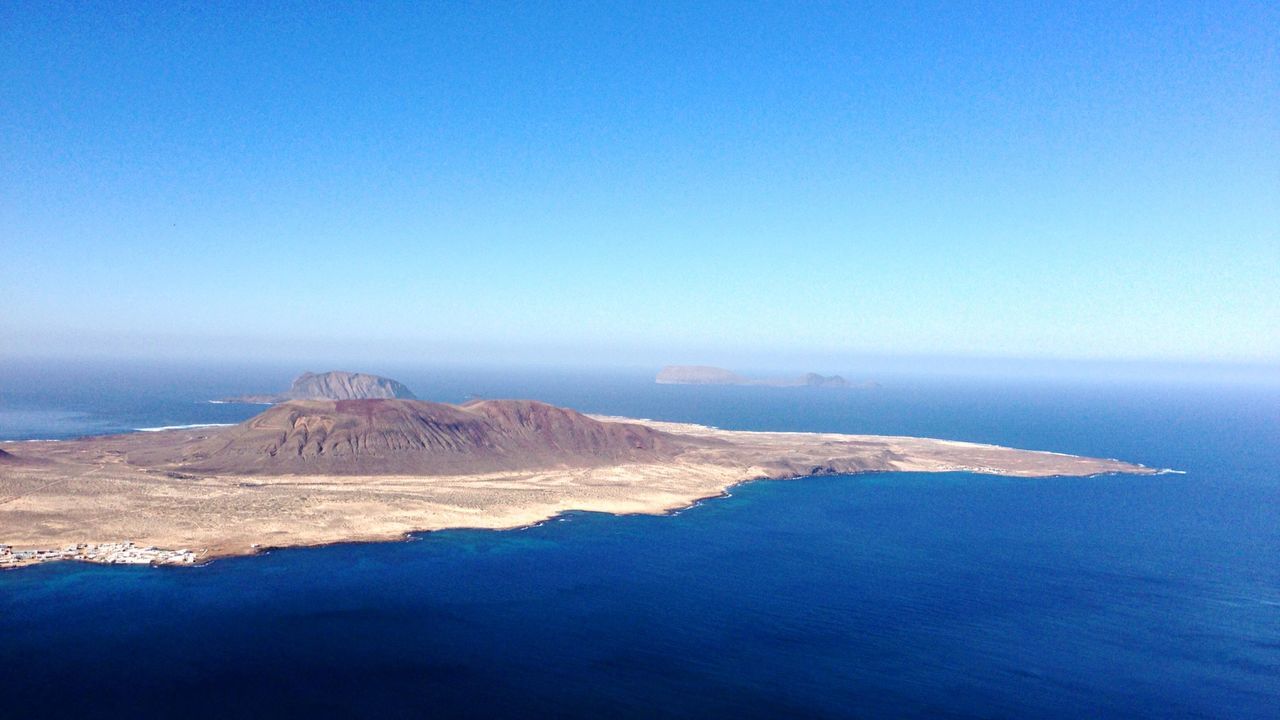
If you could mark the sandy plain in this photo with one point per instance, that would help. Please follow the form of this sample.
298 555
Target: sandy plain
56 495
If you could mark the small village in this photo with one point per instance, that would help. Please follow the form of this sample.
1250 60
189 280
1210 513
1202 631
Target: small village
123 553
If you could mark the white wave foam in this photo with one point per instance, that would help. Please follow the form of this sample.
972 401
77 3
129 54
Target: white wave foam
236 402
182 427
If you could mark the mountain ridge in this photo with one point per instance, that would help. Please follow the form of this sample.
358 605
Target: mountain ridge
393 435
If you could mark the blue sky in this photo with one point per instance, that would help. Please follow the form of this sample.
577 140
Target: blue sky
648 182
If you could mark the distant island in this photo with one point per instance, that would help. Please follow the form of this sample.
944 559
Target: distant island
708 375
308 472
332 385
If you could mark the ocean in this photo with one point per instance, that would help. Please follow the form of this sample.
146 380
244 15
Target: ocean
886 595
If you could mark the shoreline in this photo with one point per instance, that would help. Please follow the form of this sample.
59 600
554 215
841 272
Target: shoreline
92 500
204 557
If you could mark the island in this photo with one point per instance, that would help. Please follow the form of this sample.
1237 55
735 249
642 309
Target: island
708 375
311 472
332 385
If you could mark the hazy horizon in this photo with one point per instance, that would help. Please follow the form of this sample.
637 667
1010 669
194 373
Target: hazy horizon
883 369
743 185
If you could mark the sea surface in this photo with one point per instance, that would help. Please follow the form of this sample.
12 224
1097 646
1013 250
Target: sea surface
889 595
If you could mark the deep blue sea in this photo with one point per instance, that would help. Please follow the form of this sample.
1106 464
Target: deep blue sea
896 595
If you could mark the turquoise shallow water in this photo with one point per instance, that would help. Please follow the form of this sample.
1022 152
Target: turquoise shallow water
854 596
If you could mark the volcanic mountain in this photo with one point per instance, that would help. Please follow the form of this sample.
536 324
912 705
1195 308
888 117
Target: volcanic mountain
334 385
412 437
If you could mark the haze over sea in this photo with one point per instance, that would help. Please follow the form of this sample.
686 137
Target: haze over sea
902 595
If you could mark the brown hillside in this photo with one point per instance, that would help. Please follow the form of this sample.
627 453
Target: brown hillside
412 437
